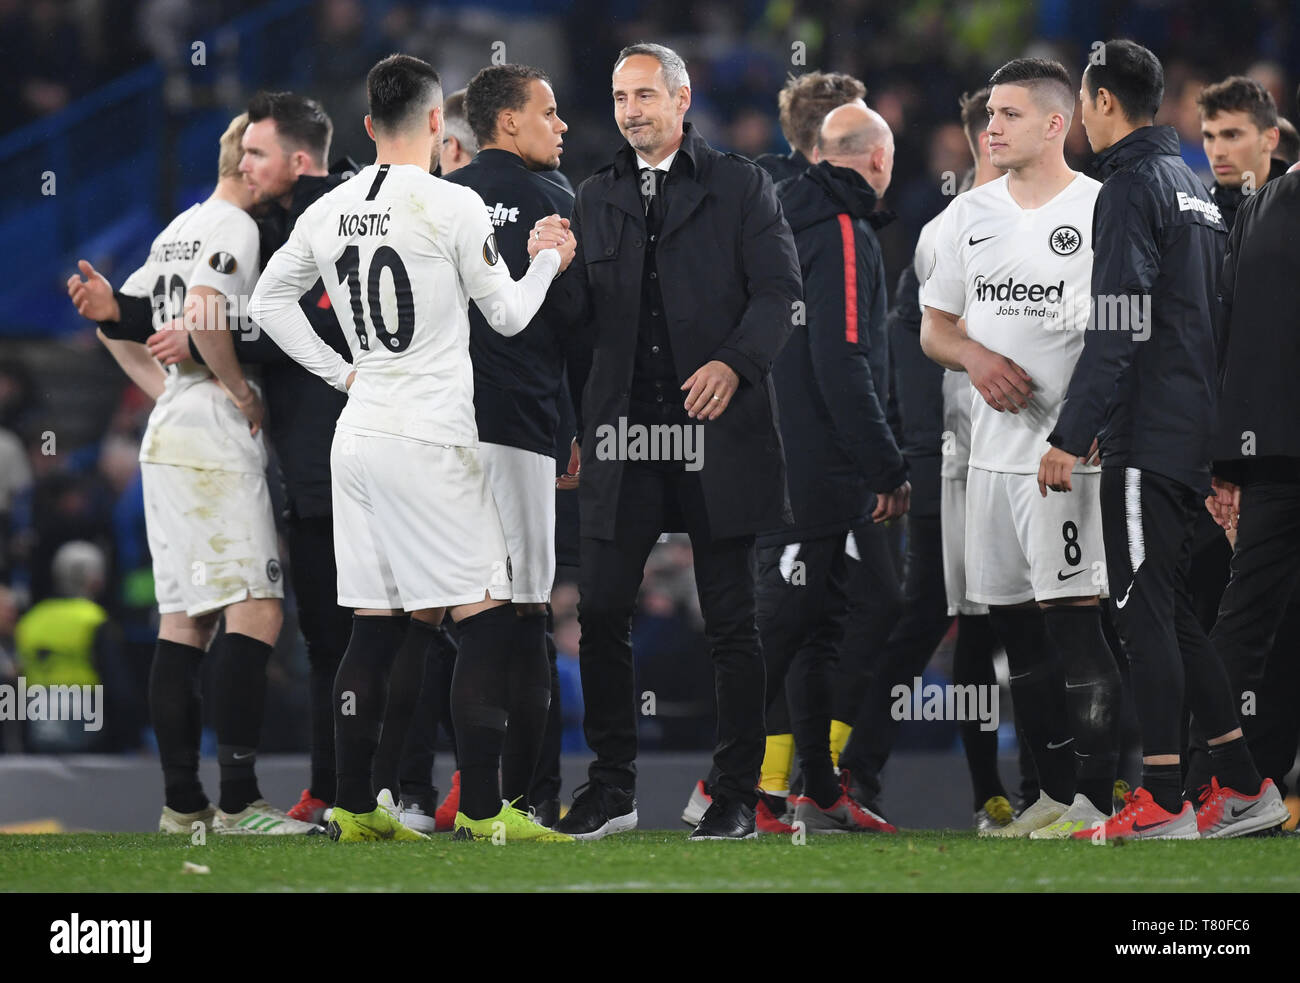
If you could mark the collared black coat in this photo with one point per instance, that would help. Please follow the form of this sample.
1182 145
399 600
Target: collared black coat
729 276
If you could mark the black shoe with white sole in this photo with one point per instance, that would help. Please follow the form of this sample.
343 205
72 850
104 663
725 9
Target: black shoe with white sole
547 812
597 811
726 820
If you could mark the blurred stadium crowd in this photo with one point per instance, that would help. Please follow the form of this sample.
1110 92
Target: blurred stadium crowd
70 428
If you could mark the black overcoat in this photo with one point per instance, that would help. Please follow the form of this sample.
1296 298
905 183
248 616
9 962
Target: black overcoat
729 275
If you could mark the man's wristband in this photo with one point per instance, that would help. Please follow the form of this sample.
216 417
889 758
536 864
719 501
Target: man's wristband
134 322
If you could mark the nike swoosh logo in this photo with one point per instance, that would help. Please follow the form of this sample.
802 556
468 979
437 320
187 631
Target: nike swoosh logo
1062 575
240 757
1053 747
1139 828
1236 814
1124 600
972 241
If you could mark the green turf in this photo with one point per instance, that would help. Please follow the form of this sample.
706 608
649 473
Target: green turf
643 861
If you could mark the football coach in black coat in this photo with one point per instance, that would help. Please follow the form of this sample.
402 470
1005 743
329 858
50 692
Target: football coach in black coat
685 286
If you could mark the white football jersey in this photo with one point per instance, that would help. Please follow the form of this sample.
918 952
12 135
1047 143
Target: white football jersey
1022 279
401 253
211 244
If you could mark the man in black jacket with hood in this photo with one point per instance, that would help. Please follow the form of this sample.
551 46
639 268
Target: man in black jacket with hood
1148 397
832 381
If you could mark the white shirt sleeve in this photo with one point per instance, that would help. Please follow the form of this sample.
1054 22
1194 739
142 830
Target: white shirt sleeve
507 304
274 307
945 288
139 283
228 261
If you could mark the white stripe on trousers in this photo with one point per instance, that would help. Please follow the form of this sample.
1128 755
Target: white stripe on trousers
1133 522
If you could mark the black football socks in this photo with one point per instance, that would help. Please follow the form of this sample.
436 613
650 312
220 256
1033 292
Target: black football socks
1092 696
404 692
239 703
529 697
480 695
972 665
176 710
1038 689
360 697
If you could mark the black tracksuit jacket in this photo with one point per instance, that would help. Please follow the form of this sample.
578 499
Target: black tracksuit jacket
832 376
1155 234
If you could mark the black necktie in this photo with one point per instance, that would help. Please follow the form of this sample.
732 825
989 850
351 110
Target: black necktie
652 182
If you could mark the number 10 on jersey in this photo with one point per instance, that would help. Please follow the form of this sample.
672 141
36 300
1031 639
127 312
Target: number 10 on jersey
348 269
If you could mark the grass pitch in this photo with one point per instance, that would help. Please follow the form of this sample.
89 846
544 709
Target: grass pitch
643 861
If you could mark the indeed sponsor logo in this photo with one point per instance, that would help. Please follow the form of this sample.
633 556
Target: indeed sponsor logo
1009 289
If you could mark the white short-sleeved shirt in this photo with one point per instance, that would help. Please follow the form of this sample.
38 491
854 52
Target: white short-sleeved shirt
414 250
212 244
1022 279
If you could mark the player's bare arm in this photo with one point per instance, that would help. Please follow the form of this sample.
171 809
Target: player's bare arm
207 324
1002 383
135 360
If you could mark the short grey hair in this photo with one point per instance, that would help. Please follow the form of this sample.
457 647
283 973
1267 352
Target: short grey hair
79 569
456 124
675 75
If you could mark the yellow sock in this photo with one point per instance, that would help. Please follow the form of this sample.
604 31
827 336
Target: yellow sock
840 732
778 759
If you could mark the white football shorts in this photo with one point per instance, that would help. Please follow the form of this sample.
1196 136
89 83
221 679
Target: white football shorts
952 523
211 536
1023 547
523 486
415 525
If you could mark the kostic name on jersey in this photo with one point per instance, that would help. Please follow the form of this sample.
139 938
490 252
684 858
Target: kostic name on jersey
367 224
1011 290
166 252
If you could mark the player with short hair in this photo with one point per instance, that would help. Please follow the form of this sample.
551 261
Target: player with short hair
518 381
207 509
802 105
1014 257
416 530
1239 128
1148 398
936 543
